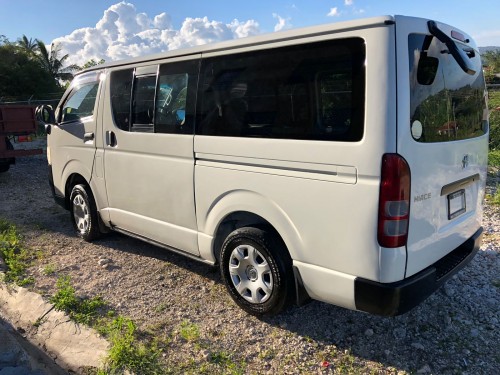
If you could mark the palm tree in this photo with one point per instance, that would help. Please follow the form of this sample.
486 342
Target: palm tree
53 63
29 45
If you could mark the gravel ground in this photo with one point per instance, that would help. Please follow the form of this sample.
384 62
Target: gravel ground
454 331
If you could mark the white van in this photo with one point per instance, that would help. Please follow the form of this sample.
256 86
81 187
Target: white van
344 163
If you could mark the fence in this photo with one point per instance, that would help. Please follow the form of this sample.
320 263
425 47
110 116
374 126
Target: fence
51 99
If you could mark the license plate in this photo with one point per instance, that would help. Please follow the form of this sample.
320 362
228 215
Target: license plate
456 204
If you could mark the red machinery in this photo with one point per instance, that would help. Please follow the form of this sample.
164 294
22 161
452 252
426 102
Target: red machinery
15 120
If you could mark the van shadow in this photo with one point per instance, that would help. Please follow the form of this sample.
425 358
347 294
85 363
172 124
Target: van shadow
409 342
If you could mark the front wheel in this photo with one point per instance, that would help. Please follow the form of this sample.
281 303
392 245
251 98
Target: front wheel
84 213
256 269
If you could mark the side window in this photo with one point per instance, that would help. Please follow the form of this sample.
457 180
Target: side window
313 91
146 104
171 103
121 92
80 102
143 104
176 97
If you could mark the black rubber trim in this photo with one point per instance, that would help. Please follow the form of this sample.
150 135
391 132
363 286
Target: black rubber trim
301 296
399 297
58 199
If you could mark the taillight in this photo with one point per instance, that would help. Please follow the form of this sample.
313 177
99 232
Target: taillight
394 201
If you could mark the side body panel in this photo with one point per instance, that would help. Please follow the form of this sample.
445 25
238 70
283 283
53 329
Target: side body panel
321 196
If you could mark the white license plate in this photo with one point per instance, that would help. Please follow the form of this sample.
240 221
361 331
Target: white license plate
456 204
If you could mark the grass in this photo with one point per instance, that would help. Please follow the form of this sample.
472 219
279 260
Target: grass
49 270
494 104
189 331
16 256
81 310
127 352
494 198
494 158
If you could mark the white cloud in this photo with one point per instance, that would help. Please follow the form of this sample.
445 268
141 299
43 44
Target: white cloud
348 2
283 23
123 32
334 12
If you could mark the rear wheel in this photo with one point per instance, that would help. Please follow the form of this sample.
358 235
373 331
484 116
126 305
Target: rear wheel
256 269
84 213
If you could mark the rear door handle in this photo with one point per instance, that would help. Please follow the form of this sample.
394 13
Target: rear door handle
111 138
88 137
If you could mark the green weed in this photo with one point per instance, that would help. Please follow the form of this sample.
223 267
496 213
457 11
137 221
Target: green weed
127 352
16 257
81 310
494 158
49 269
189 331
495 197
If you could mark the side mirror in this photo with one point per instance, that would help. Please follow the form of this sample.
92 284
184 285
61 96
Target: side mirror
46 115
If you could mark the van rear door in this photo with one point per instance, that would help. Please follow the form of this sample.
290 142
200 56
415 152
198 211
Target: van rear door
443 135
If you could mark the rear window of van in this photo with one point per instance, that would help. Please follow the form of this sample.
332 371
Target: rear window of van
447 104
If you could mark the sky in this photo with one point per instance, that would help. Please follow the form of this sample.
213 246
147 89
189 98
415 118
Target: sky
114 30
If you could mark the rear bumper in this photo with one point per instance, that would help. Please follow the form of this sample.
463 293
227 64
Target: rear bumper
401 296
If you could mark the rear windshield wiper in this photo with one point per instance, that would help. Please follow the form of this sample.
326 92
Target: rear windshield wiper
458 54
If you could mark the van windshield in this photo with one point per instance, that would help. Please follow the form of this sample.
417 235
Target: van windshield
447 104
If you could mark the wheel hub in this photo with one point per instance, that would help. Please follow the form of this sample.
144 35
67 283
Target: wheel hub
252 273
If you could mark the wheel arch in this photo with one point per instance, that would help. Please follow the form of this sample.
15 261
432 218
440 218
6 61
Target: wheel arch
71 181
242 208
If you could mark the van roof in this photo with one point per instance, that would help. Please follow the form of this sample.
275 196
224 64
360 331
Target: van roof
262 39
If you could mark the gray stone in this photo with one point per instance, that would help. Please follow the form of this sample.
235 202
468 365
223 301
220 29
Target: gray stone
104 261
424 370
417 345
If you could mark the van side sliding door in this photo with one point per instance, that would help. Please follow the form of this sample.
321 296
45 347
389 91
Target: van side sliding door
148 158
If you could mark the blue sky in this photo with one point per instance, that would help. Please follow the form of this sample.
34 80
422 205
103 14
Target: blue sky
113 30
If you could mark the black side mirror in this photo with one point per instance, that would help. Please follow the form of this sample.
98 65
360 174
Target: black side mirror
46 115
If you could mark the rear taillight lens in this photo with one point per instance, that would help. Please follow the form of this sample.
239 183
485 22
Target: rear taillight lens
394 201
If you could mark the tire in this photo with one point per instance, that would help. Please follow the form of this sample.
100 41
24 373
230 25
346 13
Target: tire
84 213
5 164
257 271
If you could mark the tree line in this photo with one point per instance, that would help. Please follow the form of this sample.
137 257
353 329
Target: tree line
491 63
28 68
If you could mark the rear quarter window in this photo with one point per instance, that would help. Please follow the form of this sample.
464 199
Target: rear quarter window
313 92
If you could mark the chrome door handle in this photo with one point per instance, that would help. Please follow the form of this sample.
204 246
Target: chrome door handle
87 137
111 138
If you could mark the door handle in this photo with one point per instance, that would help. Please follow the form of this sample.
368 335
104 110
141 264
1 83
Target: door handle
111 138
87 137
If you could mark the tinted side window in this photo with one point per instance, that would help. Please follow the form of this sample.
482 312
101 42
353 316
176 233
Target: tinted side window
121 91
313 91
80 102
148 104
143 104
176 97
